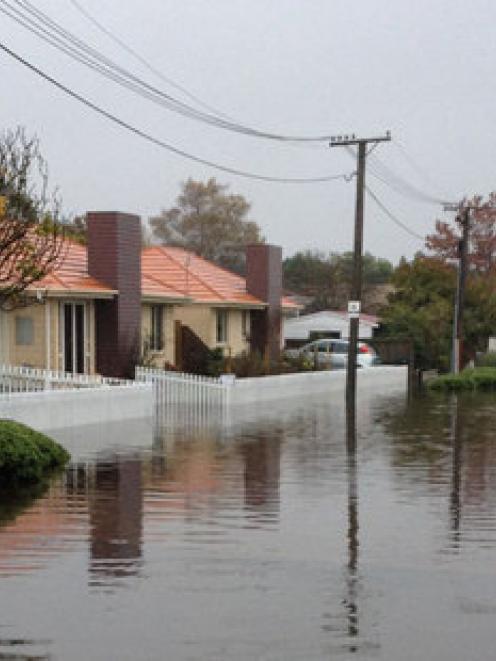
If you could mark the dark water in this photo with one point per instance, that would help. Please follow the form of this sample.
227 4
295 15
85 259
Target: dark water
265 540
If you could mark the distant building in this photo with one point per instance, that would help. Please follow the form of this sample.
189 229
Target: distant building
327 323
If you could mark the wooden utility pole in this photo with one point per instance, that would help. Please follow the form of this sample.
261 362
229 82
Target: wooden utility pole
460 290
463 245
356 287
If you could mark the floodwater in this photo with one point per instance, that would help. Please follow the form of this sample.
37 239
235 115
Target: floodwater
269 539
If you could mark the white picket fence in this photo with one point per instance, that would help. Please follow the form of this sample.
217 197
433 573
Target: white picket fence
171 388
49 400
17 379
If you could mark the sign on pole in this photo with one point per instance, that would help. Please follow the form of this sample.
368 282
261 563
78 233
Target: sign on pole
353 309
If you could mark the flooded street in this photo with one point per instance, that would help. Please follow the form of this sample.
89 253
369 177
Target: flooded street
265 539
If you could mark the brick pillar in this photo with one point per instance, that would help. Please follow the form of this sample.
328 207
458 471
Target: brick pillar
264 281
114 257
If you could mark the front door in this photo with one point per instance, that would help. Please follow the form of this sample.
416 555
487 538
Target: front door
73 322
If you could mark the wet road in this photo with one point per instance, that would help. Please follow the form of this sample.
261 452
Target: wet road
272 539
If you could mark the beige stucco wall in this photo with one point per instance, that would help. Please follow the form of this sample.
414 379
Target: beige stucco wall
202 320
158 358
33 355
46 351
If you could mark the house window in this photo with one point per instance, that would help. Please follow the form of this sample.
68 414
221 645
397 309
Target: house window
157 328
245 324
24 331
221 326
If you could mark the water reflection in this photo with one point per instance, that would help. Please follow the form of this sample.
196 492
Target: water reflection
310 536
351 600
116 520
262 459
456 471
16 648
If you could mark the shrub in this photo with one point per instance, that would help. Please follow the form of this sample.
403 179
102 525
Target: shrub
480 378
27 455
487 359
215 362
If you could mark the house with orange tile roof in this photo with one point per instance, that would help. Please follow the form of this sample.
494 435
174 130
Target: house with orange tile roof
218 305
110 302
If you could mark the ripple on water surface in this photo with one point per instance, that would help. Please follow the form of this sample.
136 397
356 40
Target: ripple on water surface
267 540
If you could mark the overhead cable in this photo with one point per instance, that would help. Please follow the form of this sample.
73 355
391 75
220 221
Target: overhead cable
413 163
58 36
137 56
160 143
385 174
392 217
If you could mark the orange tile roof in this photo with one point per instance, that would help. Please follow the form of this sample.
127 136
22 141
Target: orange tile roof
71 275
195 277
171 273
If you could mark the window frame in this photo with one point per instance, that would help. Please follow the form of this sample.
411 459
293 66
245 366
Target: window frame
157 326
221 338
246 324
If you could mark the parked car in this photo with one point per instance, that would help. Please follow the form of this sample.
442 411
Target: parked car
334 353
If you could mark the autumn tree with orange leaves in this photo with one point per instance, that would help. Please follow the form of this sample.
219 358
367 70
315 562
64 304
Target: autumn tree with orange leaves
443 243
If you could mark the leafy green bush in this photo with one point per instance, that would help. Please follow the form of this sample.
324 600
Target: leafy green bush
480 378
487 359
27 455
215 362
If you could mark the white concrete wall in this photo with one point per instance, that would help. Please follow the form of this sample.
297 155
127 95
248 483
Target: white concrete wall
57 409
299 328
382 379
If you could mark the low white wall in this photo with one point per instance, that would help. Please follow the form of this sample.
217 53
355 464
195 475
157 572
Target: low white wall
58 409
383 379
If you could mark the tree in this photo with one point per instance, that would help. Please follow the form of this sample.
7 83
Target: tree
210 222
443 243
31 239
327 278
76 229
421 308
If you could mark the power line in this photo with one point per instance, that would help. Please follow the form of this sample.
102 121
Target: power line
75 45
414 165
160 143
392 217
399 184
137 56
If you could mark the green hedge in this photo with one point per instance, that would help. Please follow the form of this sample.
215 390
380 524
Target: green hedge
480 378
27 455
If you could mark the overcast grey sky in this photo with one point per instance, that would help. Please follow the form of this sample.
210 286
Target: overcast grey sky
424 70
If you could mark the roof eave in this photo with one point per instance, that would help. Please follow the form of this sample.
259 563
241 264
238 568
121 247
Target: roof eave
76 293
160 298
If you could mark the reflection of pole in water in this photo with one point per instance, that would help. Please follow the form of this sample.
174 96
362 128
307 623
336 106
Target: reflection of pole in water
116 519
456 471
353 527
262 467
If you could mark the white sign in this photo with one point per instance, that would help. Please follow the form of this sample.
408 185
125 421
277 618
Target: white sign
353 309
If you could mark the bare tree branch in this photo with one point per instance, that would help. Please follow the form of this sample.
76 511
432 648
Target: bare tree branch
31 238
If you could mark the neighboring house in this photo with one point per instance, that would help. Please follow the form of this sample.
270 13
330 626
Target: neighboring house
110 304
218 308
327 323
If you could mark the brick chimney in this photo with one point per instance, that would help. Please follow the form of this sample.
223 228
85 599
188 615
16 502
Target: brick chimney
114 258
264 280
